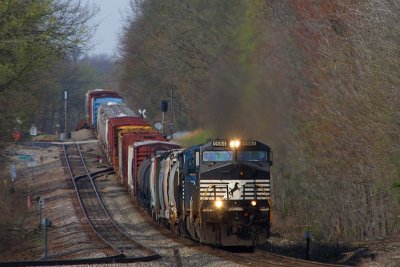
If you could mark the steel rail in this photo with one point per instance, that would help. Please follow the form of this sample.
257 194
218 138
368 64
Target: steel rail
72 175
298 262
262 257
101 222
107 260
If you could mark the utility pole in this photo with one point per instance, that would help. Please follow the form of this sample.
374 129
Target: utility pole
46 224
307 235
171 123
65 111
40 204
32 163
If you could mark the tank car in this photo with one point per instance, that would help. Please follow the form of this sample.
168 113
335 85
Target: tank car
138 152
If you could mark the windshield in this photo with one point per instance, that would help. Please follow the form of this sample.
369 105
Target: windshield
252 156
217 155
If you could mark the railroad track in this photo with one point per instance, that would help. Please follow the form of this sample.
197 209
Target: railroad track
119 243
264 258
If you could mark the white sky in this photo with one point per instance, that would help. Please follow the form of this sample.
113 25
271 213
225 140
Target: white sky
110 19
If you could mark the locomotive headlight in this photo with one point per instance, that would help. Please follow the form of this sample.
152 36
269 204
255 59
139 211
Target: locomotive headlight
234 143
253 203
218 204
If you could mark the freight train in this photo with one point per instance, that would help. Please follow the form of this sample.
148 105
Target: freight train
217 193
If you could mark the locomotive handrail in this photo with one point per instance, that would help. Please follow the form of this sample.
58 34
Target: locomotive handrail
268 200
202 200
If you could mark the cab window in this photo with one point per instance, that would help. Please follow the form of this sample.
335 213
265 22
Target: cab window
221 155
252 156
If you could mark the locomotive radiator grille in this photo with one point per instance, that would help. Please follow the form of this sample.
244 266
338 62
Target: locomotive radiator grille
234 189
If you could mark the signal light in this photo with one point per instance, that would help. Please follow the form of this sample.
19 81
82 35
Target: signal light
253 203
164 106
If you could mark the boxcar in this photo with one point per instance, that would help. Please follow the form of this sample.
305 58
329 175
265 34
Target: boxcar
94 99
116 125
127 139
107 112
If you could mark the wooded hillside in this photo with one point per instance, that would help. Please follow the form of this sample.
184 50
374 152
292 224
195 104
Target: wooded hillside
39 42
37 39
317 80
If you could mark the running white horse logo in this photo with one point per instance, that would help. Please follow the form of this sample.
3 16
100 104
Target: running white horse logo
234 189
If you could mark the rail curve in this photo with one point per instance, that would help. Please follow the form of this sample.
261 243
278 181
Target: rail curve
95 211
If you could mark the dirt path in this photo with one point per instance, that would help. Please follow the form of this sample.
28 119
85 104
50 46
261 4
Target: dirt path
70 235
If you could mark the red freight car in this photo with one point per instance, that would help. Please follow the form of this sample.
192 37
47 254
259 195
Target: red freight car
92 105
115 125
128 139
139 151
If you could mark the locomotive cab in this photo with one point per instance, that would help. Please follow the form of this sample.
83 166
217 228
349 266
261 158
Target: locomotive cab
229 204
